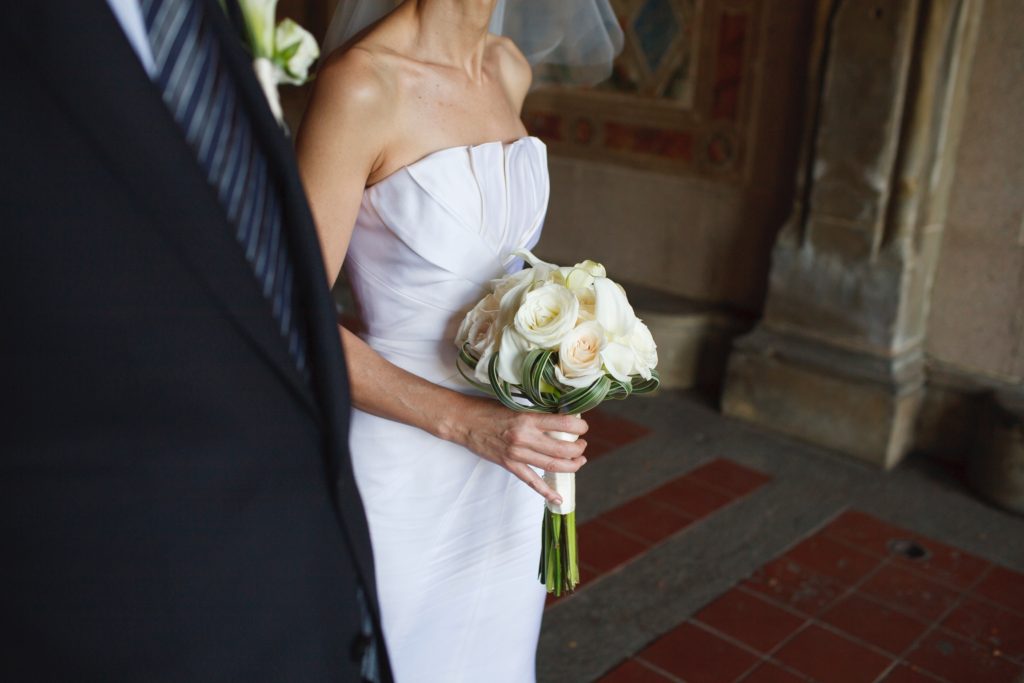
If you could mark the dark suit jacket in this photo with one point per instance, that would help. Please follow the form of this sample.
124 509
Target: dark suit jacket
176 502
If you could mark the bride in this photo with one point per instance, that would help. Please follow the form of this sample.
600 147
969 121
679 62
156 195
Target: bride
423 181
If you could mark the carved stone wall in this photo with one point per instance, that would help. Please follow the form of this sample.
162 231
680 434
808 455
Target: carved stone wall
678 171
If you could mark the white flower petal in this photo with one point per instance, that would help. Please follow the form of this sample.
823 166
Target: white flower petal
295 50
511 355
619 361
259 22
612 309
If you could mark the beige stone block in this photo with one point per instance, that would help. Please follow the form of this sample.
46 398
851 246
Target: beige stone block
869 420
977 316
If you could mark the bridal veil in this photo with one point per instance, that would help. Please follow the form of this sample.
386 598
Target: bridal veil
566 41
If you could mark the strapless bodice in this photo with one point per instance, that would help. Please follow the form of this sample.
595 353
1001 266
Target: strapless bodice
430 237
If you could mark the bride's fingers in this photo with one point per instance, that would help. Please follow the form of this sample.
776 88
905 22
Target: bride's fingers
561 423
546 445
536 482
546 462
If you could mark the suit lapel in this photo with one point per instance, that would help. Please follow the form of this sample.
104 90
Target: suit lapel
123 112
329 374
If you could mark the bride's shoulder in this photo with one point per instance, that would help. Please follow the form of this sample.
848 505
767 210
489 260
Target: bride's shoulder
511 65
360 73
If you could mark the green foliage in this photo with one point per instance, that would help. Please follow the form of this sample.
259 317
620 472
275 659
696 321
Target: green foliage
541 392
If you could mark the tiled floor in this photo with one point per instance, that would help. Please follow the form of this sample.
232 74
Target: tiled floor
629 530
859 601
679 498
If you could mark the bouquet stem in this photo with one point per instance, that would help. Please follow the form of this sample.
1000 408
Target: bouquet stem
559 559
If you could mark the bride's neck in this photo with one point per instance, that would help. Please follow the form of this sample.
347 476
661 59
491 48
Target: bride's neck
453 31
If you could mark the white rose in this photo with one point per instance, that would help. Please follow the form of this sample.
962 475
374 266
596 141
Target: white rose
259 22
644 349
546 315
612 309
512 354
295 50
579 355
619 361
478 328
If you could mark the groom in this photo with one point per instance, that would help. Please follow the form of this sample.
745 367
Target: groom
176 497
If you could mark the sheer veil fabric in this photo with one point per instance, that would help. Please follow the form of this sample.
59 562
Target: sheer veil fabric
570 42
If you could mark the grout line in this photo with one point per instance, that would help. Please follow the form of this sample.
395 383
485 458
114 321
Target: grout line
933 624
813 619
655 668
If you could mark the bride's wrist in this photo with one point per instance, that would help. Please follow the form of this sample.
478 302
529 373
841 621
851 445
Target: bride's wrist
450 424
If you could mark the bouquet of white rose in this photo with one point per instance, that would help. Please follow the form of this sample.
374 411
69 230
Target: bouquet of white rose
552 339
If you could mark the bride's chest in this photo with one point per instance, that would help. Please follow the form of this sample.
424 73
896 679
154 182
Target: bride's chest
486 199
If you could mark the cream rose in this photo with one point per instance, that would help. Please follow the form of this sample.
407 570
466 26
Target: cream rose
478 328
546 315
579 355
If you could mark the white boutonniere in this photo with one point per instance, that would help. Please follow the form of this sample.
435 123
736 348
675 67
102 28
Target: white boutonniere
281 54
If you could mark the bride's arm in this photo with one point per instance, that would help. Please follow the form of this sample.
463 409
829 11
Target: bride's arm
339 146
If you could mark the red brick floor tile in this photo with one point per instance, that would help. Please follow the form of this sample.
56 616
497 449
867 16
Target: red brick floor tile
749 619
632 671
730 476
872 623
942 562
833 559
959 661
603 548
611 429
647 519
865 531
945 563
697 656
691 497
909 674
795 586
1004 587
990 626
911 592
770 672
825 656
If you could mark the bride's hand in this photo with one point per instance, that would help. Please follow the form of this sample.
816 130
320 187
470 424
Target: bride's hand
517 440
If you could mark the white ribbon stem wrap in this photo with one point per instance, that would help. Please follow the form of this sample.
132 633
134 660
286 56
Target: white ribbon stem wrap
267 75
564 483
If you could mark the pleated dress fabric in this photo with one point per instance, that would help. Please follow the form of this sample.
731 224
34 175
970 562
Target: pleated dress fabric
456 539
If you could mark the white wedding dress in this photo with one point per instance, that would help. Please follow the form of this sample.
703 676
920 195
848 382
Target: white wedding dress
456 539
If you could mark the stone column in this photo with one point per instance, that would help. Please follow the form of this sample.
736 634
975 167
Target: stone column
837 359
